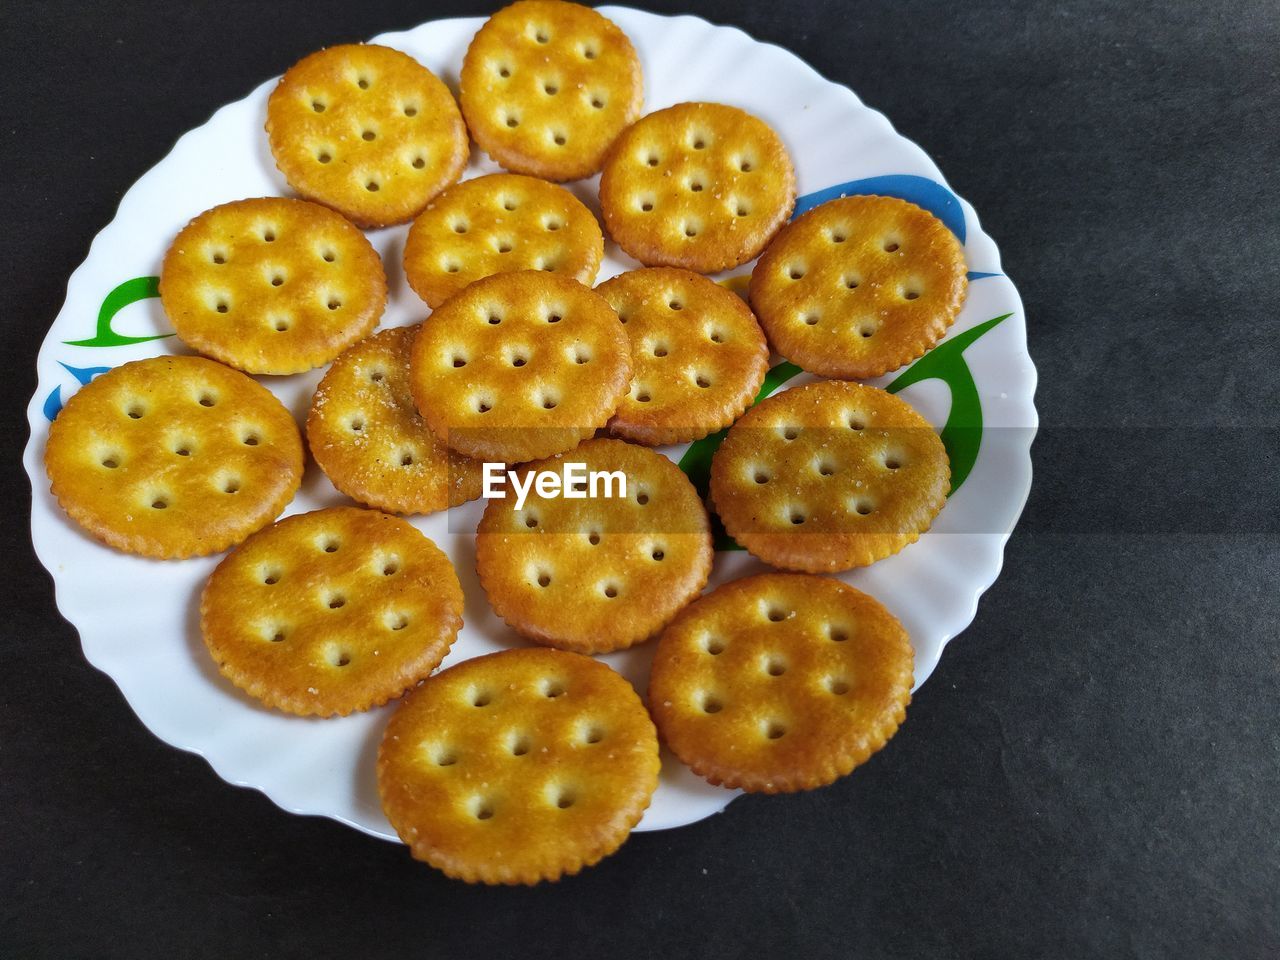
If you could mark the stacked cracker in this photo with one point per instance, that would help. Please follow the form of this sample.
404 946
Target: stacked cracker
529 764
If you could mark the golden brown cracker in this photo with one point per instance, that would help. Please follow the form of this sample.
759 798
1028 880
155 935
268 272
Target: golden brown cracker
272 285
859 286
599 573
547 86
520 366
518 767
703 186
780 682
331 612
173 457
497 224
829 476
698 356
368 438
366 130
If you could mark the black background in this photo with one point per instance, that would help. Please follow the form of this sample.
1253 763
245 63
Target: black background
1092 770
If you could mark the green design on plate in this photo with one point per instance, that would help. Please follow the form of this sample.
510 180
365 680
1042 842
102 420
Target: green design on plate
131 291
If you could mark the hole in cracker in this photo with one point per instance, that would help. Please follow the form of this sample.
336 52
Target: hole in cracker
559 139
329 544
328 256
775 666
482 810
789 433
775 614
549 402
159 503
340 658
504 71
494 319
610 590
553 317
483 407
642 498
368 135
565 799
222 306
695 186
552 689
518 744
551 223
390 567
278 636
277 280
356 425
852 282
715 336
597 103
502 246
690 230
825 468
795 271
459 362
867 330
336 601
838 236
231 486
250 439
591 734
541 36
518 361
702 381
480 698
797 517
269 235
363 83
281 325
271 576
410 110
809 319
863 508
444 757
396 621
646 205
183 451
451 267
652 159
550 89
856 421
745 166
593 538
892 462
589 52
418 162
376 376
837 685
111 463
334 303
761 477
713 645
890 246
512 122
372 186
460 226
406 459
219 258
544 579
324 156
317 106
643 396
675 305
837 634
711 704
774 730
659 351
658 554
911 295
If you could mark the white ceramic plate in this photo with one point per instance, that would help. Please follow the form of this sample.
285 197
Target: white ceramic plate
138 618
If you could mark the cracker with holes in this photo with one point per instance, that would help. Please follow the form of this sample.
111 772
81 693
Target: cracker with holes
780 682
366 130
497 224
518 767
859 286
173 457
829 476
520 366
331 612
698 356
606 570
368 438
546 87
703 186
272 285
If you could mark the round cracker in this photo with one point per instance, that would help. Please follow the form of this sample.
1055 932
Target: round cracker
520 366
703 186
366 130
623 566
829 476
173 457
698 356
546 87
780 682
518 767
272 285
497 224
331 612
370 441
859 286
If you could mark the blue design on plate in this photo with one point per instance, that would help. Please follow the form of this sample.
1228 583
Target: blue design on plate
921 191
53 402
974 275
